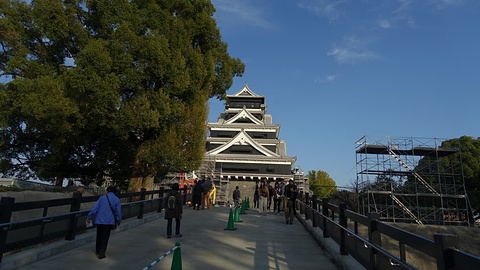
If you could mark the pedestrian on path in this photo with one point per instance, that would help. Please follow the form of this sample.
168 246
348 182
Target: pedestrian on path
107 212
207 190
291 196
197 195
236 196
263 195
173 210
277 198
255 195
271 192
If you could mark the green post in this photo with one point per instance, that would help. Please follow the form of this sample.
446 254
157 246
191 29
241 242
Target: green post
248 203
244 206
236 218
230 226
177 258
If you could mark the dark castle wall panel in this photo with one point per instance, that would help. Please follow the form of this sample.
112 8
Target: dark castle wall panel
242 168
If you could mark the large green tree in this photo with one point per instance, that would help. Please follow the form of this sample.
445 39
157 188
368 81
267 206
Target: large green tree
468 157
108 88
321 184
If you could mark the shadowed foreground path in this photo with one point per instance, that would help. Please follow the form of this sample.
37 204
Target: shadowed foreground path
260 242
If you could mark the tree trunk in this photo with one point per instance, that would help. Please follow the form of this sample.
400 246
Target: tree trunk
135 185
136 180
59 181
148 183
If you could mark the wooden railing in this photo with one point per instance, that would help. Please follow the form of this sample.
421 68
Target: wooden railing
24 233
333 220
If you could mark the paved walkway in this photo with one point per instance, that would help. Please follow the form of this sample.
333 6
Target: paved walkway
260 242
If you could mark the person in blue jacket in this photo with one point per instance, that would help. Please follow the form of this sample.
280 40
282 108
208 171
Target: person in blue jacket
104 210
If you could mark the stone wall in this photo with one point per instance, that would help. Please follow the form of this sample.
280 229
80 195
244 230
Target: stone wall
247 188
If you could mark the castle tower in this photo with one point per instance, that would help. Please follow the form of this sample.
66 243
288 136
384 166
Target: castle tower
244 144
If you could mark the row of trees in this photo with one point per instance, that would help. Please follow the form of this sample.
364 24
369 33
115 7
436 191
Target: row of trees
108 89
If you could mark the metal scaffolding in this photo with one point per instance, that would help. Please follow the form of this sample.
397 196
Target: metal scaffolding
413 180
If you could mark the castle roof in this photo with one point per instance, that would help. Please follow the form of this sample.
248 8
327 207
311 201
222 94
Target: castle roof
245 92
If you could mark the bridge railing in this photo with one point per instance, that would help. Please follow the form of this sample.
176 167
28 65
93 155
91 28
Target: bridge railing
24 233
368 251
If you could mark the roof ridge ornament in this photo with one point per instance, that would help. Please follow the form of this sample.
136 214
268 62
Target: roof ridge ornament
246 91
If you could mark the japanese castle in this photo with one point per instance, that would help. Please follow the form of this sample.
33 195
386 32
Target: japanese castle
244 144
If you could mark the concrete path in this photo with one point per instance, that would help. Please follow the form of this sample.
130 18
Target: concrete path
260 242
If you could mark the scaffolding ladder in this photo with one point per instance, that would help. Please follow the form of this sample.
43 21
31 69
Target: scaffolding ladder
415 174
410 213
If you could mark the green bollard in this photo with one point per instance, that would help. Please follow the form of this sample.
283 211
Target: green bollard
236 218
242 210
230 226
177 258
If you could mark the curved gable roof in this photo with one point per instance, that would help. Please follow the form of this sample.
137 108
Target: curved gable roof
242 138
242 115
245 92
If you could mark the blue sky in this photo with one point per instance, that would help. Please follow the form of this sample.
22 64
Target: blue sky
333 71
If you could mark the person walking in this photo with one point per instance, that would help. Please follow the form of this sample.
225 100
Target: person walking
263 195
207 190
291 196
255 194
173 210
197 195
271 192
108 213
277 197
236 196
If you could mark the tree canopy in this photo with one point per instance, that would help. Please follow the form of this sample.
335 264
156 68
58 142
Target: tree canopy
321 184
112 89
469 156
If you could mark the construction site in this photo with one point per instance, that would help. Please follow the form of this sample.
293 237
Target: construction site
411 180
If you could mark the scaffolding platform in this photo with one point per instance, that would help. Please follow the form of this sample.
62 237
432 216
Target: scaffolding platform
415 151
408 179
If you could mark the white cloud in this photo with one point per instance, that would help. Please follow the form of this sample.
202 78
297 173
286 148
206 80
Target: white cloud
242 12
441 4
384 24
402 11
323 8
404 7
328 78
331 78
352 50
399 14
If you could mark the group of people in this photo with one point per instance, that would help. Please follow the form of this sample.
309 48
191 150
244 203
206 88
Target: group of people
108 215
201 192
282 196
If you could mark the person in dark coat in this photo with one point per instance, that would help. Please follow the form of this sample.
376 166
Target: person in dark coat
291 195
174 212
207 190
197 195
